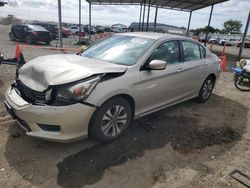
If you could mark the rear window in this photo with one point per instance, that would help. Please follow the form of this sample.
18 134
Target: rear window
191 50
37 28
203 51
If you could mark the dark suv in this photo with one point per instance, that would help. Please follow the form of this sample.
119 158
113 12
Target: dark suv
30 33
50 27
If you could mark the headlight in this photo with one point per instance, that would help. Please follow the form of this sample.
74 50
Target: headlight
76 91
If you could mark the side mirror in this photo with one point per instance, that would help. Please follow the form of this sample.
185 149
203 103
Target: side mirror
157 65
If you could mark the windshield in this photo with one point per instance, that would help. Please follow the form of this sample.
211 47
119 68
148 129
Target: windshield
119 49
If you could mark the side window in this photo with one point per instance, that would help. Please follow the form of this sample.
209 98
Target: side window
25 28
203 51
167 51
191 51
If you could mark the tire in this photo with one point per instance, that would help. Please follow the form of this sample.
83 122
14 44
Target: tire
206 89
28 39
237 82
12 36
47 42
111 120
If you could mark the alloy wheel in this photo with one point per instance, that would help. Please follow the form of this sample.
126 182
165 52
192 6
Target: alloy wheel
114 121
207 89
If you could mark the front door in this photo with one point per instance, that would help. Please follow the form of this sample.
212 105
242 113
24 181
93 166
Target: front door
161 87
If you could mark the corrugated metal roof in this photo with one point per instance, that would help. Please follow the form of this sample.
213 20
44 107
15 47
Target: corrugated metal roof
182 5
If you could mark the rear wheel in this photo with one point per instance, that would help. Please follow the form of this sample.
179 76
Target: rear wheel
28 39
47 42
206 89
12 36
111 120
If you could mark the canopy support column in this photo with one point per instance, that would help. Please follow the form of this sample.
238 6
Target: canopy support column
189 21
60 23
139 29
80 24
156 12
149 4
143 17
89 21
209 21
244 36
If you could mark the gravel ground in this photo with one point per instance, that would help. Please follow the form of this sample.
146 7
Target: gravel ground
188 145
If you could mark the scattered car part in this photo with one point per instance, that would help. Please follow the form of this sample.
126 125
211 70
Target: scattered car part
240 177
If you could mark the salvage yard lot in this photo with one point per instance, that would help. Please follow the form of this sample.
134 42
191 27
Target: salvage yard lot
188 145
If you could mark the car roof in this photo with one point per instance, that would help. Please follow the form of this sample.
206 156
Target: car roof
156 36
35 27
153 35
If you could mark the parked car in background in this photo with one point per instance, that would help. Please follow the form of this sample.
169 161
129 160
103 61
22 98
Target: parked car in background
246 43
223 41
203 39
232 42
100 91
74 29
213 40
93 30
30 33
50 27
228 42
66 32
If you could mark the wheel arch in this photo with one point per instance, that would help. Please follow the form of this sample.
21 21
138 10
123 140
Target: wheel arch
127 97
213 76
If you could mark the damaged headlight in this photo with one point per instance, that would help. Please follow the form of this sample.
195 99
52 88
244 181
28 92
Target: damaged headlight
77 91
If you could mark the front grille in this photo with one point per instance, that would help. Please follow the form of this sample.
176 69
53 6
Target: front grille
51 128
31 96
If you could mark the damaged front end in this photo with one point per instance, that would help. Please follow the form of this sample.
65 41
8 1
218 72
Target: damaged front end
59 95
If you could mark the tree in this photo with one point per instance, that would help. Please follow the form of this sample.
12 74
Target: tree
205 29
232 26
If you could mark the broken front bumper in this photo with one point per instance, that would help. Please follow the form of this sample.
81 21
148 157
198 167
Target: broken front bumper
56 123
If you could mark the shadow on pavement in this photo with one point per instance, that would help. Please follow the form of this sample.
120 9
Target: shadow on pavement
185 135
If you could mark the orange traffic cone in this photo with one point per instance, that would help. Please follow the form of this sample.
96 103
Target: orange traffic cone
223 64
18 51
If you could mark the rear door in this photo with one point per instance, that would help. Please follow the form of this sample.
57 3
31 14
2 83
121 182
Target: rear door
194 67
17 29
161 87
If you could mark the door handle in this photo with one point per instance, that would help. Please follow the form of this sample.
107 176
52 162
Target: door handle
180 70
205 63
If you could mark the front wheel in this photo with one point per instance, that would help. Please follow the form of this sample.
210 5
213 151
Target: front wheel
12 36
28 39
111 120
206 89
47 42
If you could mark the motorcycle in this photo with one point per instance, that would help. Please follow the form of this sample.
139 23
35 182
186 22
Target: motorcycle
241 78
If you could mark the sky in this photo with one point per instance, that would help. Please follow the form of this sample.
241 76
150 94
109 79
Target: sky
46 10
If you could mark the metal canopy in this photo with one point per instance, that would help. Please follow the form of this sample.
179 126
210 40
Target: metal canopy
181 5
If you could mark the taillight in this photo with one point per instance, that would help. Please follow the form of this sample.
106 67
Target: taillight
34 33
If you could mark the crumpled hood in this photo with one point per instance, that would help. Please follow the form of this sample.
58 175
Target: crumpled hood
44 71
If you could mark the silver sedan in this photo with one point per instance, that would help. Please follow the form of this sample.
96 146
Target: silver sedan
99 92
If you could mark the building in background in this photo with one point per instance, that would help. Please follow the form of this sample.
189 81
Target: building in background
160 28
119 28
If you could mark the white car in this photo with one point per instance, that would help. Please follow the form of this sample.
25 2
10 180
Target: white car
100 91
74 29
